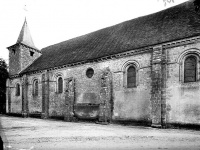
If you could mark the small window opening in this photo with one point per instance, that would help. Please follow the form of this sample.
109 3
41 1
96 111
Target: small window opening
31 53
13 51
89 73
17 90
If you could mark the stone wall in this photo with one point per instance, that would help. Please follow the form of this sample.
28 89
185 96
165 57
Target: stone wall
26 58
16 101
14 60
20 58
34 102
182 99
160 97
56 100
131 104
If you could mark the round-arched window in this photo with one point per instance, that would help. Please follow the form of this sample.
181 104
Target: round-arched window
89 72
131 77
190 66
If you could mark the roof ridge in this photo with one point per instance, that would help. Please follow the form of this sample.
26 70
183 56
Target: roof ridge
74 38
174 23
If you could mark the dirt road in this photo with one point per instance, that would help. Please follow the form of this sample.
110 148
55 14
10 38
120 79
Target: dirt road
37 134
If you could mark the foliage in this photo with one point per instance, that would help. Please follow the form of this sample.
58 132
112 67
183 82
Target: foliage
197 5
3 78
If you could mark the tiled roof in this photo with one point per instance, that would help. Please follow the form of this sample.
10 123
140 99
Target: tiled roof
175 23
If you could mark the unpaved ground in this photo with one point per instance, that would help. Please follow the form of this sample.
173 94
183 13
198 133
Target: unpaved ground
38 134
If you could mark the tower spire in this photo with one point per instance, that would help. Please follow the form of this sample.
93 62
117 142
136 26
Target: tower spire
25 36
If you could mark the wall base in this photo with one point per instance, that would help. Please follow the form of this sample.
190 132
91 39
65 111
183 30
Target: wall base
44 116
156 126
24 114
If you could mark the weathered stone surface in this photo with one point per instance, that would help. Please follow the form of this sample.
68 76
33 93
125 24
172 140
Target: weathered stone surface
69 99
182 99
105 110
156 90
15 102
24 82
45 95
35 102
161 97
20 58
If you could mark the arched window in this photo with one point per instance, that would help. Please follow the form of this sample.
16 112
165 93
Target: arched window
131 77
190 67
17 90
35 88
60 85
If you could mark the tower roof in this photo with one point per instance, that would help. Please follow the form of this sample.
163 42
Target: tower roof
25 36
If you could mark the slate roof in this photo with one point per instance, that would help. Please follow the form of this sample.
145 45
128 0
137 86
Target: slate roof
175 23
25 36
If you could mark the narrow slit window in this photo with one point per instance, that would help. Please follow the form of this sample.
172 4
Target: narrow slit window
190 66
13 51
35 88
60 85
17 90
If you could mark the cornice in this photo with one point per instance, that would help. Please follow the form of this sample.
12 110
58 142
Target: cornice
14 76
110 57
182 42
26 46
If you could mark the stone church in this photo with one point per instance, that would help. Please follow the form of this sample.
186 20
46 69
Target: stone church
142 70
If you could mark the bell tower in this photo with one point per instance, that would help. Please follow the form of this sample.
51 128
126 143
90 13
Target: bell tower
23 52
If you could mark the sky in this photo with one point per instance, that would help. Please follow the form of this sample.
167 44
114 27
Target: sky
54 21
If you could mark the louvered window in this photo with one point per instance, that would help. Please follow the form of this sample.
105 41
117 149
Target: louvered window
190 66
17 90
60 85
131 77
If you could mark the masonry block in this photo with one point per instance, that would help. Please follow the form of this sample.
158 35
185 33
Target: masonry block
45 95
158 89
